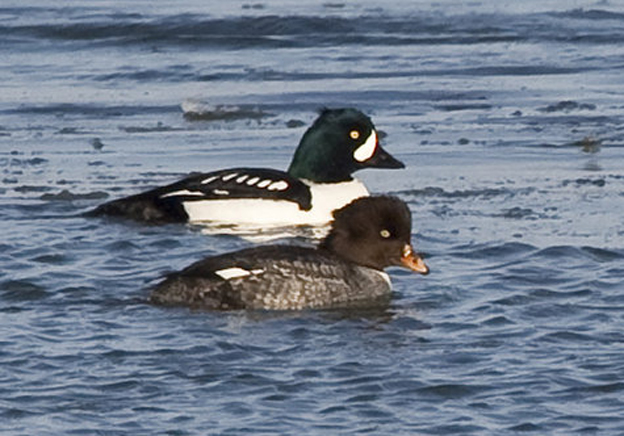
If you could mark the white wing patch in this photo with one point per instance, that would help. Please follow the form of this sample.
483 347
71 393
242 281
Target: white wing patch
236 272
182 192
237 177
209 180
366 150
280 185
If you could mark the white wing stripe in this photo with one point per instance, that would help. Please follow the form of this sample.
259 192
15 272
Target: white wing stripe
182 192
209 180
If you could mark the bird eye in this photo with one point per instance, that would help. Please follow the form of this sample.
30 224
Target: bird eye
385 234
354 134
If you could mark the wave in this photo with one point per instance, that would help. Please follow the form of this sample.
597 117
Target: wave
66 195
590 14
90 109
269 74
290 31
433 191
498 252
198 110
531 259
595 254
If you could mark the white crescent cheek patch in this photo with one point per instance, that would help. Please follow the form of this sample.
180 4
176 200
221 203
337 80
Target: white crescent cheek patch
366 150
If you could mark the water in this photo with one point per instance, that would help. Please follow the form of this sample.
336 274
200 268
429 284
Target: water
509 119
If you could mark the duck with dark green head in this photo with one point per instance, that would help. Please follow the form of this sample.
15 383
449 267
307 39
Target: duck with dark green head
318 181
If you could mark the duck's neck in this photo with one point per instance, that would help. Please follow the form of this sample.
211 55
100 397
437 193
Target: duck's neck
322 174
316 161
339 245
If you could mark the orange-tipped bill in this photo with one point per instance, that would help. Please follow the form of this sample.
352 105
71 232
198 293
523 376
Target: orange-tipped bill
413 261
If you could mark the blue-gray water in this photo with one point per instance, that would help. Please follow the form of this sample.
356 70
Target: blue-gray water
509 117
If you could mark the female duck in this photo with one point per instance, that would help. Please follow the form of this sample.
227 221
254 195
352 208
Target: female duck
368 235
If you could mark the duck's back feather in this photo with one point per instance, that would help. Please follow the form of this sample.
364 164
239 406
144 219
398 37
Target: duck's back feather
166 204
272 277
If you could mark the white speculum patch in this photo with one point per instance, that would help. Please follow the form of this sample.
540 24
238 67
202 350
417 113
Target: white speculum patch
242 178
221 192
263 184
236 272
229 177
253 181
366 150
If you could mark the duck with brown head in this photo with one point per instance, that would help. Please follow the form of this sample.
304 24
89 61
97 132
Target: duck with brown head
346 269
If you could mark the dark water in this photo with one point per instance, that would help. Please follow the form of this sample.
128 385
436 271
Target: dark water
510 120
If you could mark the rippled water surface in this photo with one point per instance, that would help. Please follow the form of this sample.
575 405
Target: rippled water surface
509 117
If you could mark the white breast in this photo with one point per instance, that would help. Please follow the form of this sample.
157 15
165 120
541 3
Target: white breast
384 275
326 197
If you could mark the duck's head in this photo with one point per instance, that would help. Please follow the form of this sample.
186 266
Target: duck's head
340 142
374 232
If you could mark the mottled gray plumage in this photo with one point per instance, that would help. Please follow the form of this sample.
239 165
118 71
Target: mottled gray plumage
346 269
291 278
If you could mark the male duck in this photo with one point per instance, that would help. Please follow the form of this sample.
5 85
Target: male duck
346 269
318 181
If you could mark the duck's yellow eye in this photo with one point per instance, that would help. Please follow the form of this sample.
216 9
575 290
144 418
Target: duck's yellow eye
385 234
354 134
